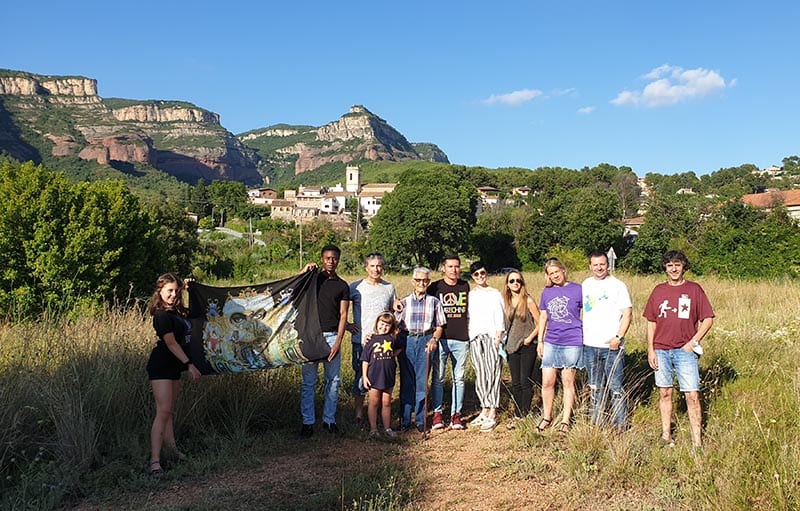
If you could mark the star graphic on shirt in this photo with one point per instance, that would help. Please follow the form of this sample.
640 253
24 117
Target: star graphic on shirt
387 346
684 308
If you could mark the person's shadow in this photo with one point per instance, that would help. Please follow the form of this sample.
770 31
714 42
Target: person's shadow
640 381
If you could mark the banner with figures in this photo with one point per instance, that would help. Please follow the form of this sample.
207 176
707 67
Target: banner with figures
253 328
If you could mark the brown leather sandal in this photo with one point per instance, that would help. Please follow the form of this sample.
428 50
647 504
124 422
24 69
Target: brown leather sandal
543 424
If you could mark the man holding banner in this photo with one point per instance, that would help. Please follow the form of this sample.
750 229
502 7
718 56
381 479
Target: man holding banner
333 302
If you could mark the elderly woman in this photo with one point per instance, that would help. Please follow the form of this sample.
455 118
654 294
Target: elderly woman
560 341
486 327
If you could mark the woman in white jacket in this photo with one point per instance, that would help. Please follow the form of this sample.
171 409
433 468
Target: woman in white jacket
486 327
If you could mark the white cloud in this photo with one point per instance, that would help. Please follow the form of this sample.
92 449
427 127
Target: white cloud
515 98
586 110
671 84
564 92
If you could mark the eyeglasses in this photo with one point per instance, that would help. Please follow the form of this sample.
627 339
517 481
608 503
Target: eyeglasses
479 273
516 281
421 281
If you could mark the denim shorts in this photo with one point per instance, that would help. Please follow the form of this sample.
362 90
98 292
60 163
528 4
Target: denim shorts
562 357
680 362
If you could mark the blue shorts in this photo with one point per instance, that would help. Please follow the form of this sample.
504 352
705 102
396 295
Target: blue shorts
680 362
562 357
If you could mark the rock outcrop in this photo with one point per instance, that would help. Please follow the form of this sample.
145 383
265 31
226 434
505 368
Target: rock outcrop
23 84
68 117
357 136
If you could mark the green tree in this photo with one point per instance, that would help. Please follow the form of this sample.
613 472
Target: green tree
671 221
494 238
60 241
739 241
791 165
429 214
591 220
229 197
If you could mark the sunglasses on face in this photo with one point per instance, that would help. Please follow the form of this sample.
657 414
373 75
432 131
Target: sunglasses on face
479 273
515 281
421 281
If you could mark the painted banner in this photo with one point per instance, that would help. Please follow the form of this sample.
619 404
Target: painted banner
253 328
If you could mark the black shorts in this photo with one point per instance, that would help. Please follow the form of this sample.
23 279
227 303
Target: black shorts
163 365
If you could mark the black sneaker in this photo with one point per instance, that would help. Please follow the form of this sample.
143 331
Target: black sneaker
306 430
331 428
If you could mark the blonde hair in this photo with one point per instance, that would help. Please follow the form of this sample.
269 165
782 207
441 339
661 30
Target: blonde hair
550 263
389 319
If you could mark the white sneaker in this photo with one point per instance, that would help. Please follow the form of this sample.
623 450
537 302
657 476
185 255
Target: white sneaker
488 425
477 421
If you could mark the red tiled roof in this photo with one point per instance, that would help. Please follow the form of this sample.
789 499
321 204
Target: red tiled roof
770 199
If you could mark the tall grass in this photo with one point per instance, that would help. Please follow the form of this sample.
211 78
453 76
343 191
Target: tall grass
75 412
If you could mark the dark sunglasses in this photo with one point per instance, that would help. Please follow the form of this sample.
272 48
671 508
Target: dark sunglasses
516 281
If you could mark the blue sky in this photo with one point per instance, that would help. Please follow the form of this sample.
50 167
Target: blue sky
659 86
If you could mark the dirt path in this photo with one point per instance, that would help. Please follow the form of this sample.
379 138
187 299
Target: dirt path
451 470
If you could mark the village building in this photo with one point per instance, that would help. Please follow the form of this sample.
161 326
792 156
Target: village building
790 199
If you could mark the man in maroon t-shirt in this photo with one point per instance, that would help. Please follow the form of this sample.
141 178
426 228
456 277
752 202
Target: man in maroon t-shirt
678 316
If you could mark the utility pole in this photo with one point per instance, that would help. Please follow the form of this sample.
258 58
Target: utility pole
300 223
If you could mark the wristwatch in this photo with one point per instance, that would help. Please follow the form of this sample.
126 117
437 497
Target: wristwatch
621 339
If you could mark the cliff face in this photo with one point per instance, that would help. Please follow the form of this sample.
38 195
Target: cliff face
357 135
32 85
65 116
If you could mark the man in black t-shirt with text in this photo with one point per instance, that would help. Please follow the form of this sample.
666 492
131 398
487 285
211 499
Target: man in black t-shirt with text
452 292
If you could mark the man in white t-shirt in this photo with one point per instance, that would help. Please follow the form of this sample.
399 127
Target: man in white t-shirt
607 312
369 296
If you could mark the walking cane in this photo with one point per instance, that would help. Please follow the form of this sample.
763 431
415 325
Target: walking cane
425 405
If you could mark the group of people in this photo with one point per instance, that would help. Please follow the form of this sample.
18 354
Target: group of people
574 326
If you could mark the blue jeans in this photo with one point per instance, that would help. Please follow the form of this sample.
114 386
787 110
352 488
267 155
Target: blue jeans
458 351
332 380
413 377
605 370
358 384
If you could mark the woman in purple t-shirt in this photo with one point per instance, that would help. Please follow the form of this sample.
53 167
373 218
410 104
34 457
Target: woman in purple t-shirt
560 341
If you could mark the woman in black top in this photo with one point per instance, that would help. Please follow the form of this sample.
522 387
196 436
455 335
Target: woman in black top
167 360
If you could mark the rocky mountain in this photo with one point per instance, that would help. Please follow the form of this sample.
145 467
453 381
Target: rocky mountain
358 135
63 116
63 119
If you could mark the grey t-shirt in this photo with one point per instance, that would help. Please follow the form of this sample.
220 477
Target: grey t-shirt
369 300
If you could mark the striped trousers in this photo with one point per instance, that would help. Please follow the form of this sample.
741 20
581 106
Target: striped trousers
486 362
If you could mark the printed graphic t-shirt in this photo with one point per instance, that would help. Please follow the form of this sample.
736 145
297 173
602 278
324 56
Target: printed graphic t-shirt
454 301
563 307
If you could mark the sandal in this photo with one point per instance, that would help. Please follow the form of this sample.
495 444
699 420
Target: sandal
154 469
564 428
543 425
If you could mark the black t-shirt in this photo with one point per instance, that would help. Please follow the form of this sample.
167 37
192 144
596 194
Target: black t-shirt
380 353
330 293
169 321
454 302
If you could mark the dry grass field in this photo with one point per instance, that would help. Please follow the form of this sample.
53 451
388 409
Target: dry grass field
76 410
